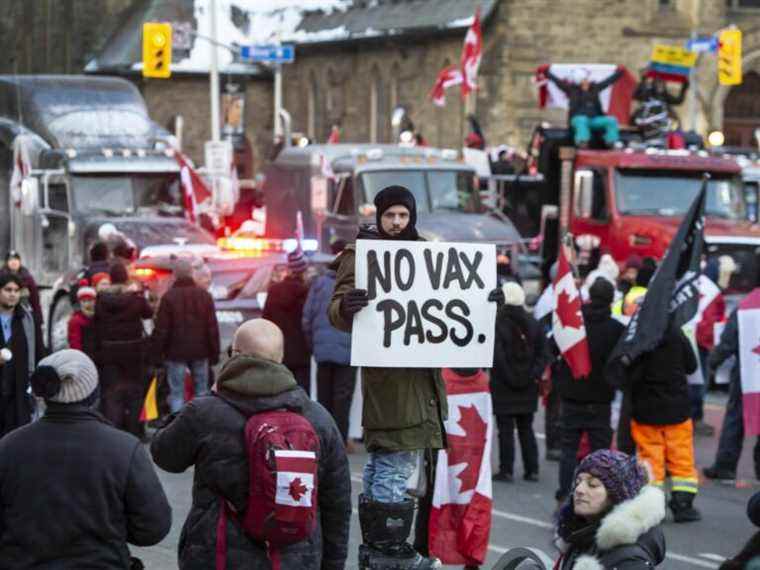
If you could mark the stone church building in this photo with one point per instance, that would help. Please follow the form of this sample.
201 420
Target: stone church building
357 60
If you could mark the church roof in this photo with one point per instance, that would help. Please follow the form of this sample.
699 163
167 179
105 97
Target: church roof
302 22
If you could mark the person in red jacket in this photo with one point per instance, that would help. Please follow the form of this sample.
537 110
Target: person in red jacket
81 330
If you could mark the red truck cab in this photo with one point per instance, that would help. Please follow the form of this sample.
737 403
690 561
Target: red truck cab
634 199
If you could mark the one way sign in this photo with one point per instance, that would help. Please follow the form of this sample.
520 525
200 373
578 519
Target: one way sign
269 53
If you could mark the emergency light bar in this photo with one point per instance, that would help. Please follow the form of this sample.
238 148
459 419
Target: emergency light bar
258 245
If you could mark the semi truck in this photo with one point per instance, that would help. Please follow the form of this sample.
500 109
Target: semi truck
632 200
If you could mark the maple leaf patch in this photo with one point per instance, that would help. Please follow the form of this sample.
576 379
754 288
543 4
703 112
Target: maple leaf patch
468 448
297 489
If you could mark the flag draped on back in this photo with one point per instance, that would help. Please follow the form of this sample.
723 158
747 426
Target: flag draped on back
460 520
749 360
567 320
673 292
472 51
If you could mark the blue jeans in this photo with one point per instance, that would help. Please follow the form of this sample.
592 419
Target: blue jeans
386 473
732 433
175 374
583 125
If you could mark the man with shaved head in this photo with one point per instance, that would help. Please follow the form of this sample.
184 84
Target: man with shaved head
208 434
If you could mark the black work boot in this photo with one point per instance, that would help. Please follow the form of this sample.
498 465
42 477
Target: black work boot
715 472
385 528
681 503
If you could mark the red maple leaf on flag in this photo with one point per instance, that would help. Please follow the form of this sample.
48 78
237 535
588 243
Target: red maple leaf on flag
297 489
468 448
756 350
568 311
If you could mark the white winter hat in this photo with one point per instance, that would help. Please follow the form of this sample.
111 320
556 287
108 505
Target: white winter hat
608 266
513 294
67 376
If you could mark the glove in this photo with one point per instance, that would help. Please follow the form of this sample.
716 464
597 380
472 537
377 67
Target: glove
496 296
353 302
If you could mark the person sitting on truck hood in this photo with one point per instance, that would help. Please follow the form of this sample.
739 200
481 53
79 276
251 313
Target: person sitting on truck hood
585 112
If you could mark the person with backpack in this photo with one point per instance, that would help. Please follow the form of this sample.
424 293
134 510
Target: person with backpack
239 487
517 367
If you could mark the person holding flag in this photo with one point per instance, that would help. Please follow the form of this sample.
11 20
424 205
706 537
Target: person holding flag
739 339
653 361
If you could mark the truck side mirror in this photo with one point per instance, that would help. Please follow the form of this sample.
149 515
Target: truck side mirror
30 192
583 195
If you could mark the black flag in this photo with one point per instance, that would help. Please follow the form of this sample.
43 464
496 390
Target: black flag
673 291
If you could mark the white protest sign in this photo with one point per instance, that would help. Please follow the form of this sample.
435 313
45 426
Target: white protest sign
428 305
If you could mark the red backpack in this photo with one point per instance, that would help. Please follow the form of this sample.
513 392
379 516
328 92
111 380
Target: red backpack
283 450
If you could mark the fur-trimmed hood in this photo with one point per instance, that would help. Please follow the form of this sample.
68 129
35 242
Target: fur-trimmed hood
630 531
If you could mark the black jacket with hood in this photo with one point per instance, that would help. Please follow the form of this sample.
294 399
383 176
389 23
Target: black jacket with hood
74 491
629 537
518 361
284 307
208 434
119 328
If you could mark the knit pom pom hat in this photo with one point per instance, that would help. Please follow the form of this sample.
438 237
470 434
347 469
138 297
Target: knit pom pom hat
622 475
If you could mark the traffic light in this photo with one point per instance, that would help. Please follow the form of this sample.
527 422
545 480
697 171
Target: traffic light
730 57
157 50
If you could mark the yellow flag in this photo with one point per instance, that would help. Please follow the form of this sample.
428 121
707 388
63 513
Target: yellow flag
150 405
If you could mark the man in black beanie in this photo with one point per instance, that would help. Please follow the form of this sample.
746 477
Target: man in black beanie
404 408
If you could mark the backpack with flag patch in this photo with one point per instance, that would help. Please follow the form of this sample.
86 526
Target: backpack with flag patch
283 449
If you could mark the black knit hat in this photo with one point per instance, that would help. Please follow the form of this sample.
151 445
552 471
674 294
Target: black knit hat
396 196
12 254
601 292
118 273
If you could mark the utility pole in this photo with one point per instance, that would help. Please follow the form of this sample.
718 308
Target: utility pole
693 86
277 99
214 74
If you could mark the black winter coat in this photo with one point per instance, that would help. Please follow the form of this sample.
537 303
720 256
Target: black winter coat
119 329
94 486
208 434
284 307
186 327
660 391
518 361
602 332
628 538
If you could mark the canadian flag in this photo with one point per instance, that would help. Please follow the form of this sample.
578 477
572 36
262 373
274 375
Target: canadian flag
615 99
749 360
460 518
447 77
195 191
472 51
295 477
22 165
711 310
567 320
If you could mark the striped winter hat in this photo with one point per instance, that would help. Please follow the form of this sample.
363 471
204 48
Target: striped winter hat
296 261
67 376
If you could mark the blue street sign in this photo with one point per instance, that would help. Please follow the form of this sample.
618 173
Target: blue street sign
285 53
703 44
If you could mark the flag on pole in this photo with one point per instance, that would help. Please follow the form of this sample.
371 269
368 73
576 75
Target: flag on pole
22 165
615 99
447 77
673 292
460 518
150 405
567 320
472 51
749 360
195 192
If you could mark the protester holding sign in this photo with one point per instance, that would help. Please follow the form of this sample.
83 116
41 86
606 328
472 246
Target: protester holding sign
404 408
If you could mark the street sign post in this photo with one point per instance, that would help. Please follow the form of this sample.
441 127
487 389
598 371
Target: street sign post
276 54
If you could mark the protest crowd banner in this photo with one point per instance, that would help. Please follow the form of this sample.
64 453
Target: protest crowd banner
428 305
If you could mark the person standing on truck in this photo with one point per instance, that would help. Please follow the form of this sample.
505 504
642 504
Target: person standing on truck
186 335
655 89
404 408
20 350
284 307
336 378
30 293
120 350
585 113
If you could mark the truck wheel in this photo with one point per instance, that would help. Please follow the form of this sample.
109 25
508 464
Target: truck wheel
58 331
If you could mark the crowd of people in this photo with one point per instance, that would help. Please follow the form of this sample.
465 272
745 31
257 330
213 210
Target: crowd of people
272 486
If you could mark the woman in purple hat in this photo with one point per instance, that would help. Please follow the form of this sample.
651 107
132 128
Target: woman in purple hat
612 518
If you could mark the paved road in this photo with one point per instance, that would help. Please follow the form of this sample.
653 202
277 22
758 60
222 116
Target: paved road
523 511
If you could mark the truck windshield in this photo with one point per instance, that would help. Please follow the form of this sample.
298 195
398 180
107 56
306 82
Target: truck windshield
111 195
671 194
434 190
